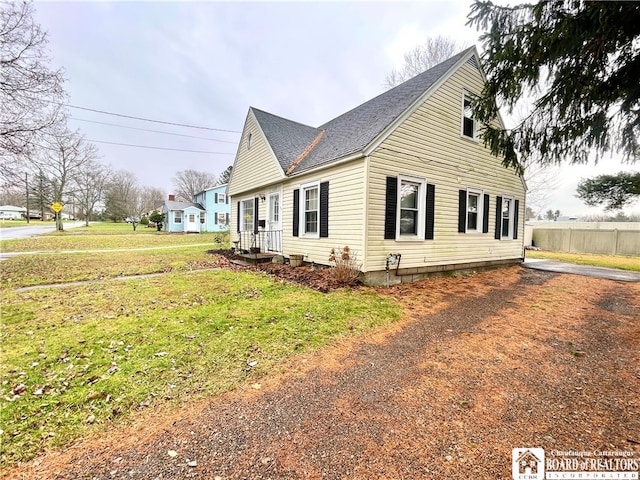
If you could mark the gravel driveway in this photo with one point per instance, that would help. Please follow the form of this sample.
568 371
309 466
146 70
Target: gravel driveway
478 366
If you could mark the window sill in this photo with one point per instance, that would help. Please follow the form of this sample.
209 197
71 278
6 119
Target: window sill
470 139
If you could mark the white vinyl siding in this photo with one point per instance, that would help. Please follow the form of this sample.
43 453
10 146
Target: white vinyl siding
346 212
429 144
255 166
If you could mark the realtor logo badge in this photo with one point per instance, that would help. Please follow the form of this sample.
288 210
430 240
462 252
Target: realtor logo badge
527 463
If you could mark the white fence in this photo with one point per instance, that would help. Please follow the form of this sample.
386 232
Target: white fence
608 238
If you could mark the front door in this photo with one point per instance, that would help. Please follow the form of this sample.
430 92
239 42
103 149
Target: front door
273 238
192 225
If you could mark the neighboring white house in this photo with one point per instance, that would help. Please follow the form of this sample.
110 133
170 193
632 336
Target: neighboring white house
11 212
403 176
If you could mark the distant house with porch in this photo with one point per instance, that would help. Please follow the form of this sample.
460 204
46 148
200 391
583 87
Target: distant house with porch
187 217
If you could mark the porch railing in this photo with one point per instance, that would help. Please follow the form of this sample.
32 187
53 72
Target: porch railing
263 241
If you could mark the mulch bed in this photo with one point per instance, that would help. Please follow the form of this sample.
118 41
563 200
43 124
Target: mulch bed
316 277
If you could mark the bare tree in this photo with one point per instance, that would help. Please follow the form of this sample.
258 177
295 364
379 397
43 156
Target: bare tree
90 185
542 181
189 182
60 157
433 51
119 190
31 94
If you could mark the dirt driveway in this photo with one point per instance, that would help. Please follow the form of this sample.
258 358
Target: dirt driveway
478 366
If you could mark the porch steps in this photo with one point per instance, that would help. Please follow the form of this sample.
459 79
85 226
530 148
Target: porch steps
246 259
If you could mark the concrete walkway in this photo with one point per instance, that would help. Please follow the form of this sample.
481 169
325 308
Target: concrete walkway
587 270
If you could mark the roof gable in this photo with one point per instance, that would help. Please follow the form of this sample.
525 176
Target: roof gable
299 148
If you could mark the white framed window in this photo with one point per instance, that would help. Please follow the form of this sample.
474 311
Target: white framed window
249 141
475 210
177 216
310 210
202 217
468 122
221 218
507 216
246 215
221 198
411 208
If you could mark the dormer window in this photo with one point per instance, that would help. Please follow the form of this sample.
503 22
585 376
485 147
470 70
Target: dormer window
468 122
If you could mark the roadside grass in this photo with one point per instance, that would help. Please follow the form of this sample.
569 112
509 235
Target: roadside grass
70 240
623 263
111 228
18 223
77 359
44 269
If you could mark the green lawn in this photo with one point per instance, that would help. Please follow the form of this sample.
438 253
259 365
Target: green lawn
110 237
623 263
80 358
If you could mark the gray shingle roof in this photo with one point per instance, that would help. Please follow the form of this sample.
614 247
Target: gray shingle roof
352 131
173 205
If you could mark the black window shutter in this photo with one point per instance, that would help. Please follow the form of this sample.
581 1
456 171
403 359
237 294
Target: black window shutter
238 223
215 218
391 205
256 205
296 212
431 210
515 219
462 211
498 217
324 209
485 214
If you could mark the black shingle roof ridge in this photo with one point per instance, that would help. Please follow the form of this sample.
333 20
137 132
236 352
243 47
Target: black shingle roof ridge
415 79
354 130
351 131
287 138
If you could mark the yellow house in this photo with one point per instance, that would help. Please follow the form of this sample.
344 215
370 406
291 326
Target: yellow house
402 179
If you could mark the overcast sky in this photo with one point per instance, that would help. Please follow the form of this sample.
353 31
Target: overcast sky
205 63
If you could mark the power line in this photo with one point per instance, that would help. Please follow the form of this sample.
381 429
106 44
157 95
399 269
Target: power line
150 120
159 148
154 131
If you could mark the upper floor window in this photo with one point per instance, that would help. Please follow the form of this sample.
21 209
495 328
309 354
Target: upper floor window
249 142
220 198
468 122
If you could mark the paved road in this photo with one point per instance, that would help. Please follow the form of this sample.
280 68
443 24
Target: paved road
33 230
589 271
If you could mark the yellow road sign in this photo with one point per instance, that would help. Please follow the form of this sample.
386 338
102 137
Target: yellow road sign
56 207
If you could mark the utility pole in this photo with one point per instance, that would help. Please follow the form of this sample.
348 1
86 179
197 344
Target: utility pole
26 186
